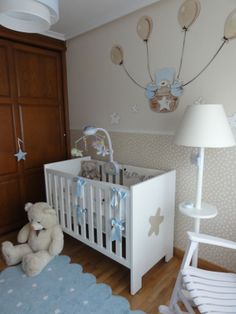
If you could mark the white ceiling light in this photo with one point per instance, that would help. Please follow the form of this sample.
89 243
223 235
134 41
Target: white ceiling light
30 16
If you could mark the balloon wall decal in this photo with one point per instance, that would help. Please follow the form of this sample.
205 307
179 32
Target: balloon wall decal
188 13
230 26
144 27
165 87
117 55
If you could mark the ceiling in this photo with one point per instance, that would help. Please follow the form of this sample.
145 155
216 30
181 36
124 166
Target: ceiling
80 16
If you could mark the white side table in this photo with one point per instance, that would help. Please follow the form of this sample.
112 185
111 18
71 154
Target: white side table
207 211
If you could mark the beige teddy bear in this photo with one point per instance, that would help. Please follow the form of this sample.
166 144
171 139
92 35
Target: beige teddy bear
89 170
41 238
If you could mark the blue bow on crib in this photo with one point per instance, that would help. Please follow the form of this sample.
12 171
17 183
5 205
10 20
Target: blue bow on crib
80 184
80 214
117 195
117 228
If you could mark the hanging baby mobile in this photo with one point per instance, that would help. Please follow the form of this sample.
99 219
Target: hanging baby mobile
163 90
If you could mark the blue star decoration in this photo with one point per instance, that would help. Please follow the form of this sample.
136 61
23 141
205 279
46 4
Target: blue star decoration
155 222
20 155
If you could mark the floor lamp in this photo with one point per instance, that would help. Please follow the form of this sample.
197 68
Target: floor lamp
203 126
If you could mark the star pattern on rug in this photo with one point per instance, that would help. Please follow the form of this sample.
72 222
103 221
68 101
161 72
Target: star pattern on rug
20 155
164 103
155 222
18 292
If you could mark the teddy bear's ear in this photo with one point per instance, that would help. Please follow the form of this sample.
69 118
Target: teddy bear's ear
49 211
27 206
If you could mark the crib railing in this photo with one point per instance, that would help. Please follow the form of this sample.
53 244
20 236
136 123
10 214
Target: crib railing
93 211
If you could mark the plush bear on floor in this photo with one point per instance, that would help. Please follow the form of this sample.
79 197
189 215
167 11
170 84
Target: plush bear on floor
42 239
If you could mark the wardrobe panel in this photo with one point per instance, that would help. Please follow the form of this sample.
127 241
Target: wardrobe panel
43 135
8 163
33 108
34 187
11 212
5 80
38 73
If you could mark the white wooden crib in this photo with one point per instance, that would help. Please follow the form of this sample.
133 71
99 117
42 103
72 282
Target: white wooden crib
128 217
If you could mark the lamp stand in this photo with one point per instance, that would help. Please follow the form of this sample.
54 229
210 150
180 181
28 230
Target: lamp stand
198 204
198 210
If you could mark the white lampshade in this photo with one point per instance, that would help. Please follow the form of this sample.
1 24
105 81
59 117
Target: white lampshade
204 125
30 16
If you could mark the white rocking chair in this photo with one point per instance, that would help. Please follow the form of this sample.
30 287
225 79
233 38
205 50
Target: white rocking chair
206 291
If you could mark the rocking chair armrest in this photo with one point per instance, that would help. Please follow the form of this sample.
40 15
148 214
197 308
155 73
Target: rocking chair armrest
207 239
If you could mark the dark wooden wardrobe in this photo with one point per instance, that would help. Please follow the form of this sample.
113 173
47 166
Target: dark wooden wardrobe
33 108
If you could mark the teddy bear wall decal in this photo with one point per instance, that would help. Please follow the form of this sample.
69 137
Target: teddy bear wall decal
165 88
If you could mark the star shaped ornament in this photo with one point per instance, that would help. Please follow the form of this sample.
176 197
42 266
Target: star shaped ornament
155 222
134 109
20 155
164 103
115 118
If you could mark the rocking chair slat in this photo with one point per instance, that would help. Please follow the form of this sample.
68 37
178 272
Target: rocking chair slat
203 293
209 286
201 273
209 308
213 301
211 292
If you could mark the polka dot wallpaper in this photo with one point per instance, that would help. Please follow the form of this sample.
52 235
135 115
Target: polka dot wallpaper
219 184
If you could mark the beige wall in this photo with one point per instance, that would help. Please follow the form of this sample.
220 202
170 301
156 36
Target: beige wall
97 88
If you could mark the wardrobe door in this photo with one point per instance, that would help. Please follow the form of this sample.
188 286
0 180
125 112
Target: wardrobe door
41 111
10 172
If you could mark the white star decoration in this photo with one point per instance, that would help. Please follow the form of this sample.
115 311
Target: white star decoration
20 155
115 118
164 103
155 222
134 109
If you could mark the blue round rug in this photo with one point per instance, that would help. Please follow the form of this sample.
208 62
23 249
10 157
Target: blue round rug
61 288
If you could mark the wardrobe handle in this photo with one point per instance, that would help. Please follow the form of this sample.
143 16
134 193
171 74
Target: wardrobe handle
20 155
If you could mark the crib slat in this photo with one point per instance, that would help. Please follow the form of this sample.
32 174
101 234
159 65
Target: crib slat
90 207
118 214
55 194
127 227
108 218
61 200
48 183
73 208
68 202
99 214
83 206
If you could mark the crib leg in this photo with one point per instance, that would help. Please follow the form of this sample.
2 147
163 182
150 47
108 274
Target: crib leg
135 282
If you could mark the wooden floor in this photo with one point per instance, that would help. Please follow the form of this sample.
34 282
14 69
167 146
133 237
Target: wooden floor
157 283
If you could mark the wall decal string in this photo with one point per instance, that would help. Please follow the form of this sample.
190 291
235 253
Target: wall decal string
165 89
